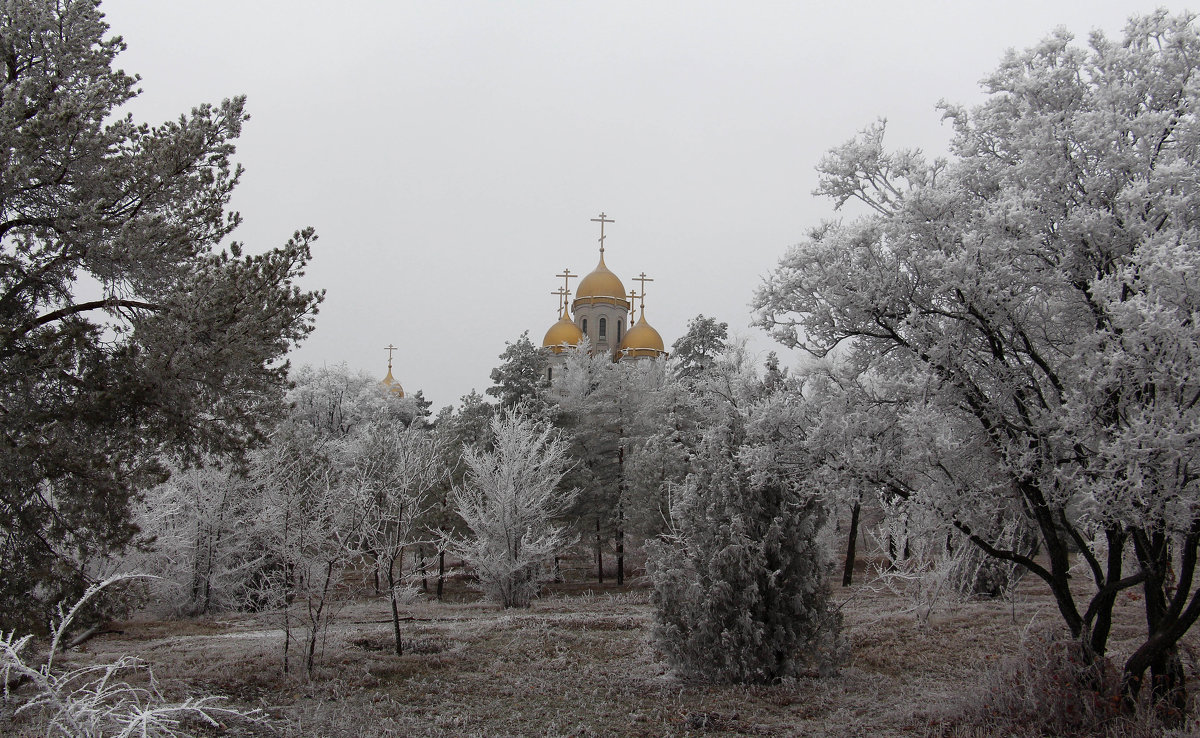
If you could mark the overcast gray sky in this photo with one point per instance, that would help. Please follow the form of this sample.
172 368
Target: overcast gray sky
451 154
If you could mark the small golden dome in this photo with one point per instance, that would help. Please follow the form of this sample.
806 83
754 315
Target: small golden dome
391 385
562 332
641 340
601 286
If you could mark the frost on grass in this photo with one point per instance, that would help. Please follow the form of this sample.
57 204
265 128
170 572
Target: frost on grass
95 701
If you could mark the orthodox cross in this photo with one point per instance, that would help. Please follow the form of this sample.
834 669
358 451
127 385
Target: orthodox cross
643 279
602 220
562 297
390 348
632 297
566 278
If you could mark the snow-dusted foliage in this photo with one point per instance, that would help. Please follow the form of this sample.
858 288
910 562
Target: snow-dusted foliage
346 480
740 578
202 540
313 517
400 470
509 500
93 701
1027 314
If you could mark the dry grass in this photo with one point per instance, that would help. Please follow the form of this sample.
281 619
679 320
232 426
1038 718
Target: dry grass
580 663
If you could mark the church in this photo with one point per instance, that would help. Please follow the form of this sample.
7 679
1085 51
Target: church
601 308
604 312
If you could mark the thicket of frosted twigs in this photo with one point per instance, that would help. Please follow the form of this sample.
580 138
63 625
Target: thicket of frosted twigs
349 481
96 700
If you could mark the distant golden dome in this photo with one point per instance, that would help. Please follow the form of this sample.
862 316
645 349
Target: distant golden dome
562 332
601 286
391 385
641 340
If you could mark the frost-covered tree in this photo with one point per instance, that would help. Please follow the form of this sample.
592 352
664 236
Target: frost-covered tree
338 402
129 337
663 435
313 517
468 426
201 541
739 579
205 533
521 379
509 501
400 469
593 409
1037 296
698 348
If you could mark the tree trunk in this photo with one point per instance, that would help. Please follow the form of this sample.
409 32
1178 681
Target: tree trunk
621 513
424 578
599 555
851 545
314 619
287 638
441 573
620 556
395 608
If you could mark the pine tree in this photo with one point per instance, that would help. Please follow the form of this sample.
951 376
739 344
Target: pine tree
128 337
739 582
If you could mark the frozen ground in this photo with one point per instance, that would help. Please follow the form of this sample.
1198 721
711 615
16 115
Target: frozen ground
582 663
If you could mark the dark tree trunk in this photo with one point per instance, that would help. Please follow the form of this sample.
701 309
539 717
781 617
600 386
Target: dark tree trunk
620 514
1171 609
314 619
395 607
441 573
424 579
620 556
599 555
851 545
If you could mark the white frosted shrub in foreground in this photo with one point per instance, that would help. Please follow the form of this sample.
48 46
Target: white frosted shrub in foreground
93 701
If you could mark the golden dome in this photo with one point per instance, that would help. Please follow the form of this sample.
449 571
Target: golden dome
641 340
601 286
391 385
562 332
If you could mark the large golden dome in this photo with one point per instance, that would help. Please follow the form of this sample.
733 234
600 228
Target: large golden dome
601 286
641 340
561 334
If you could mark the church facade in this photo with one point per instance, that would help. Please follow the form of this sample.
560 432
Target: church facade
604 314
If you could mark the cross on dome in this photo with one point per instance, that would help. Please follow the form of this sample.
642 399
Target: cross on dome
602 220
641 298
